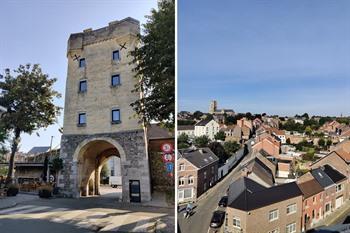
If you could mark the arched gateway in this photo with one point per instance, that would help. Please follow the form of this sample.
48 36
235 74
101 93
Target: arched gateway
98 119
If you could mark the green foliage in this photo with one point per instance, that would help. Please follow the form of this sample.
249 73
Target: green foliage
219 151
308 130
104 171
321 142
310 155
324 120
183 141
305 115
57 164
231 147
185 122
220 136
201 141
329 142
155 67
29 100
197 115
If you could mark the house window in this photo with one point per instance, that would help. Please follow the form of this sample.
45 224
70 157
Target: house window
339 188
328 207
205 175
188 193
190 180
291 228
182 167
115 80
82 86
115 116
236 222
274 231
212 170
115 55
313 199
291 208
82 63
82 119
273 215
181 181
313 214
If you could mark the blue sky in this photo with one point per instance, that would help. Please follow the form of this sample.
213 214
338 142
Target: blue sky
279 57
37 31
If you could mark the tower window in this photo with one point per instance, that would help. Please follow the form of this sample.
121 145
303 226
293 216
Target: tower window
82 86
115 80
115 116
115 55
82 62
82 119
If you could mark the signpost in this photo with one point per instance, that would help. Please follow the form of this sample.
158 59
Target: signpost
168 157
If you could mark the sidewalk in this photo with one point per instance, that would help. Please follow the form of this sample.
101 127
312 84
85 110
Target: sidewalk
335 216
7 202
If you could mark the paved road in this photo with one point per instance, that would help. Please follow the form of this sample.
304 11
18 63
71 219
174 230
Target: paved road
83 215
200 220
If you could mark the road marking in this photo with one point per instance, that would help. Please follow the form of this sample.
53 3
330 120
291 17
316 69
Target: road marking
68 216
142 225
26 211
15 208
115 225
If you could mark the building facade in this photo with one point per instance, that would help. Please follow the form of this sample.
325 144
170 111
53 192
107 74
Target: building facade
98 119
206 127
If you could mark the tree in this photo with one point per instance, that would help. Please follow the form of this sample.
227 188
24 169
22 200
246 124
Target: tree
197 115
155 67
57 165
220 136
329 142
308 130
305 115
288 141
201 141
183 141
219 151
321 142
29 100
231 147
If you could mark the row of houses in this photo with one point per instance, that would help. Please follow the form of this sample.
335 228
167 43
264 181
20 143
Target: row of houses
288 207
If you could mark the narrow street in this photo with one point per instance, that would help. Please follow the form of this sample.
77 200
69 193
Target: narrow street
199 222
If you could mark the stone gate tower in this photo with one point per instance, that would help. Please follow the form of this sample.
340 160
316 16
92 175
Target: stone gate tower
98 119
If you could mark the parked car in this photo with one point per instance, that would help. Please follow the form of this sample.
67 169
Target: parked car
223 201
217 219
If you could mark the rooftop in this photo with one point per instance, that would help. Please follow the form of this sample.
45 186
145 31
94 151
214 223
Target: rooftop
200 157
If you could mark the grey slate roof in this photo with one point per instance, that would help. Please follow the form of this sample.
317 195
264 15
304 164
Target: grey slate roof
254 196
201 157
38 150
333 174
322 178
185 127
154 131
203 122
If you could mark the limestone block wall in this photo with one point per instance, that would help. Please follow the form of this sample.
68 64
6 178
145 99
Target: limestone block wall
134 165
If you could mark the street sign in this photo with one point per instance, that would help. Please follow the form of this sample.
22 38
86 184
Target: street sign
167 147
169 167
168 158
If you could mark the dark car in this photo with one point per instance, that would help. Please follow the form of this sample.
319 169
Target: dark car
218 219
223 201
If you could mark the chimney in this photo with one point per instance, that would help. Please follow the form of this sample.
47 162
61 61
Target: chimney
87 30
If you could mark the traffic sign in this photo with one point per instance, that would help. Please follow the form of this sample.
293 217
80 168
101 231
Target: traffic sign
167 147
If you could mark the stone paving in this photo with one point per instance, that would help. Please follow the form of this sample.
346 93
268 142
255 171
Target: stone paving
7 202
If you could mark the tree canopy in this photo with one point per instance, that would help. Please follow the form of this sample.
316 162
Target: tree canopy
29 100
155 67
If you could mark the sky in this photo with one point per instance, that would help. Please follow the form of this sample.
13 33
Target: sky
279 57
37 31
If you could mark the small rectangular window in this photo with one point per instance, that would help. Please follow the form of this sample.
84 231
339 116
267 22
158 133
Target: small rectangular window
273 215
115 55
82 119
82 86
115 116
82 62
115 80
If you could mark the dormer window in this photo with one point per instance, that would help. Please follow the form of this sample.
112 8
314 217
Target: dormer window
115 55
82 63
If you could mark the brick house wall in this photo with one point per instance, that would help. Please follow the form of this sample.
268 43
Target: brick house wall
313 209
188 171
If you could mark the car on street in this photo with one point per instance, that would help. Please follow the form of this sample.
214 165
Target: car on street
223 201
217 219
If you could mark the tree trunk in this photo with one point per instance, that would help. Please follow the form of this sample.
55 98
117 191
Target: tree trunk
14 148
